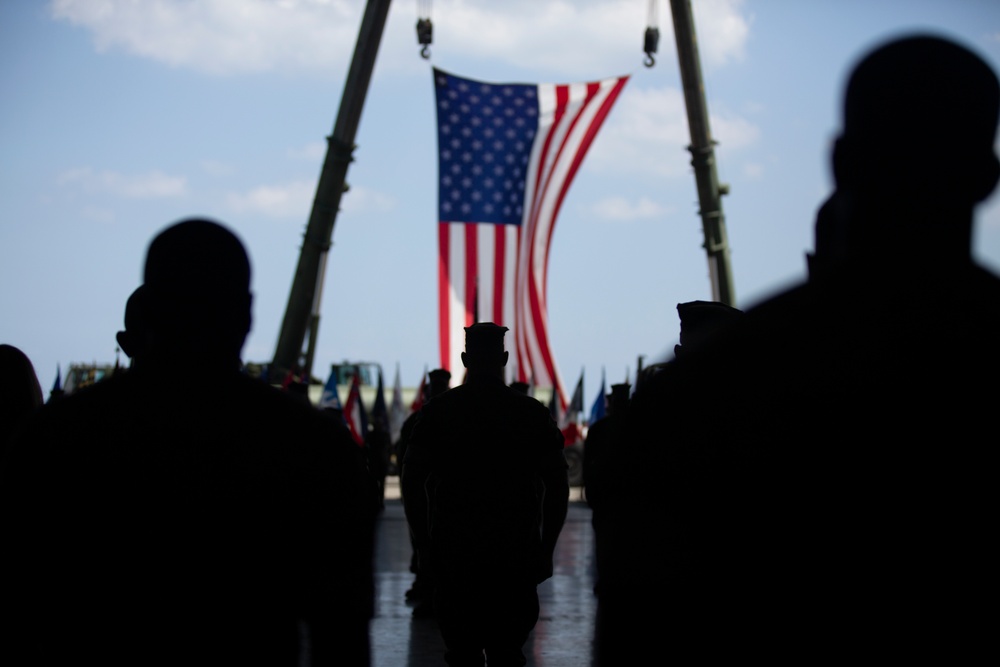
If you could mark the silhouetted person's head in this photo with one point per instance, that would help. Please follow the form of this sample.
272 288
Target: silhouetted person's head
619 398
439 382
700 320
197 287
20 392
916 153
484 353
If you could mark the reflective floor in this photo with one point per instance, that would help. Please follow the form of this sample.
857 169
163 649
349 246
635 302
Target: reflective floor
564 633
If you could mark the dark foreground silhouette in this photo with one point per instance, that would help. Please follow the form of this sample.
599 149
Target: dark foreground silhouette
171 517
20 393
828 461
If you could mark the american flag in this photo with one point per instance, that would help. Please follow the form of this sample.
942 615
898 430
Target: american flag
507 156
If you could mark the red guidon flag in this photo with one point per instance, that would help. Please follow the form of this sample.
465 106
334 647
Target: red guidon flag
354 413
507 156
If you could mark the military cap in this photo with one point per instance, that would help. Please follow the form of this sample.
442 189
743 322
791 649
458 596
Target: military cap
439 375
620 395
621 390
702 318
484 338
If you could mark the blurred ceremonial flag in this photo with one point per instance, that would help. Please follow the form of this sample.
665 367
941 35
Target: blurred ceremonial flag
397 411
571 422
507 156
57 388
380 413
598 410
330 398
576 403
354 412
418 400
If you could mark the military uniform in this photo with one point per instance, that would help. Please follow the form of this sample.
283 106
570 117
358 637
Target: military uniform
486 493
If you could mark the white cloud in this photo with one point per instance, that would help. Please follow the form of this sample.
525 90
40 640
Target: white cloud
581 35
315 150
722 30
154 184
221 36
280 201
753 170
216 168
359 199
576 37
620 209
647 132
733 132
548 35
294 200
102 215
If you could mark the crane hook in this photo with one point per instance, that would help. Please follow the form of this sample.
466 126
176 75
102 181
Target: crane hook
650 41
425 36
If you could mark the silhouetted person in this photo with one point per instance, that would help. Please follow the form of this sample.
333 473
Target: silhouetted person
378 442
521 387
837 476
420 593
486 494
700 322
183 512
639 559
607 439
20 392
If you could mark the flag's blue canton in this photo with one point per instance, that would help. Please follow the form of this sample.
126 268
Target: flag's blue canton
485 132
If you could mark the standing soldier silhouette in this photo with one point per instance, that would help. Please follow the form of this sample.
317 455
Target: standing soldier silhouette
834 476
485 490
156 520
420 592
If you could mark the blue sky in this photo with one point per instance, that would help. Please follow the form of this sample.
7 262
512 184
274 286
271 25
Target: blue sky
118 118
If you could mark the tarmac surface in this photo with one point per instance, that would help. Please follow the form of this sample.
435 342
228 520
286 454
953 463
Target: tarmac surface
563 636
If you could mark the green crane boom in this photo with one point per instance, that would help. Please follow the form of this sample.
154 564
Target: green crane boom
302 310
703 155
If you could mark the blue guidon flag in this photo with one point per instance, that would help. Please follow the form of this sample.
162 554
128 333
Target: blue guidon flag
507 156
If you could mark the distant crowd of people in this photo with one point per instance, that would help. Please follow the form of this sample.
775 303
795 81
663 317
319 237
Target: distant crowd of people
807 479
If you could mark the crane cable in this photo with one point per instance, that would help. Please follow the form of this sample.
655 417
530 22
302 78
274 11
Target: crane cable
425 30
652 38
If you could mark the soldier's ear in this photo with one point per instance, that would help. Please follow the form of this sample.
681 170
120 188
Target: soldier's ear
464 361
506 355
125 343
